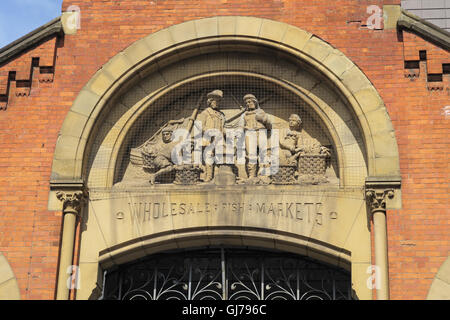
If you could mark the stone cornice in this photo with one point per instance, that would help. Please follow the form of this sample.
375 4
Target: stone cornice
383 182
60 185
51 28
427 30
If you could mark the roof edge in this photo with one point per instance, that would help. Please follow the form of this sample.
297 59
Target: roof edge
50 28
429 31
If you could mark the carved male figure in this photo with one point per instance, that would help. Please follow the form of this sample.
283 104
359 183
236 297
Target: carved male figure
159 155
252 120
211 119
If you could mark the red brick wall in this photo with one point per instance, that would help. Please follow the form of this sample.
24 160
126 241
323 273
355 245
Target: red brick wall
419 239
418 234
29 234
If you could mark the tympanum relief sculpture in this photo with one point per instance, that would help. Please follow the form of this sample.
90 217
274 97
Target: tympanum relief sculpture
208 148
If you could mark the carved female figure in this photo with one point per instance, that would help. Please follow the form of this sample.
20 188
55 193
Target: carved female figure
291 144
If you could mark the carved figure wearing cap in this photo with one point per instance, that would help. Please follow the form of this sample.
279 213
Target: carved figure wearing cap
253 119
211 118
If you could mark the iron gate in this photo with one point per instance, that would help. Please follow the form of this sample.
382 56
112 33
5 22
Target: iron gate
227 274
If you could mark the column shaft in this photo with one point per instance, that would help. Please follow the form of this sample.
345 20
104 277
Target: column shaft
381 255
66 255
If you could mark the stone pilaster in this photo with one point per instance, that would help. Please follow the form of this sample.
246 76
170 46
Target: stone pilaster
378 193
72 210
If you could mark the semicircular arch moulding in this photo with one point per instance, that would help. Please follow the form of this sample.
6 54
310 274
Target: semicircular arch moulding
150 59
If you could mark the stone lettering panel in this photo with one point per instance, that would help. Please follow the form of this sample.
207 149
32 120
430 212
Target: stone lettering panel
324 216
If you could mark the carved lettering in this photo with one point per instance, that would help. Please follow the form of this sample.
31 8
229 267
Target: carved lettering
261 207
147 210
309 210
280 208
288 209
271 210
156 212
173 208
319 218
142 212
163 211
182 208
298 211
135 212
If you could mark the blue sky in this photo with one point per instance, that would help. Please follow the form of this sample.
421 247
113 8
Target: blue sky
18 17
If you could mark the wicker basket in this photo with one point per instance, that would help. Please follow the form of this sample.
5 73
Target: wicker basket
285 175
187 175
315 164
148 162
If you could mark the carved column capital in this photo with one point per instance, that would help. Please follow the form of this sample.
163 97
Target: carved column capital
376 199
72 201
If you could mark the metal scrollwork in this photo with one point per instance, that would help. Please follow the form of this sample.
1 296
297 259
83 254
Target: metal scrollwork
228 275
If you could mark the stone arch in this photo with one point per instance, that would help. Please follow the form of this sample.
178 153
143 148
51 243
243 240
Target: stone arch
210 34
202 237
9 289
440 288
